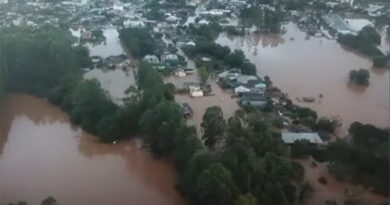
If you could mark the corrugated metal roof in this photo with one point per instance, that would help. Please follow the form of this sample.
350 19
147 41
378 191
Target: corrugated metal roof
290 137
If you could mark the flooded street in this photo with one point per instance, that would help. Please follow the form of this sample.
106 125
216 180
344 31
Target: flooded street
114 81
42 154
199 105
308 68
219 97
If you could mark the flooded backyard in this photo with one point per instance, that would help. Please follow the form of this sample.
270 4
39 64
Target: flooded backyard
42 154
115 82
304 67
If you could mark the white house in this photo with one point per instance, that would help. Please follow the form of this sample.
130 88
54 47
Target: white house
196 91
241 89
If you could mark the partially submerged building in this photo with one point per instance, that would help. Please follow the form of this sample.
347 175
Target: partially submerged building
336 23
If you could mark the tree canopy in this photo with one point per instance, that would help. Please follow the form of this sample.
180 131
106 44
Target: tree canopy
359 77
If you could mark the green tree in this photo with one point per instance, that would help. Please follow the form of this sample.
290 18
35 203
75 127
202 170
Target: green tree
90 105
214 185
138 40
186 145
159 127
213 126
203 74
50 201
301 148
359 77
380 61
248 68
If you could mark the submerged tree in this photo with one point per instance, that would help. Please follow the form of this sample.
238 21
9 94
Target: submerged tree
213 126
359 77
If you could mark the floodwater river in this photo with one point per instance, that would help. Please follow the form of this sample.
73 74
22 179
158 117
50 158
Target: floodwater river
42 154
304 67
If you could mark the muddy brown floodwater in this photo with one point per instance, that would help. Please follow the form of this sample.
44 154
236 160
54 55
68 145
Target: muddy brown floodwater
333 190
309 67
42 154
115 82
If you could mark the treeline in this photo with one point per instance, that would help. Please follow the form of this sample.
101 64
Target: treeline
138 41
364 158
208 32
34 60
261 17
42 62
221 57
366 42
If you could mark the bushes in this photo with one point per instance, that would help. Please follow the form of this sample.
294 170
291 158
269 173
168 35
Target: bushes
221 57
138 41
366 42
325 124
380 61
363 159
359 77
301 148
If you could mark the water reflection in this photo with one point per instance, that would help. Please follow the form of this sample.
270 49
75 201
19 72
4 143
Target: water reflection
307 68
41 149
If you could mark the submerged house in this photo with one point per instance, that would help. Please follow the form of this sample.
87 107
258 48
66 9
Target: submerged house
253 99
249 84
170 59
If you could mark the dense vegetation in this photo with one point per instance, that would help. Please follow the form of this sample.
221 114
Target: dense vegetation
261 17
208 32
221 57
366 41
33 61
364 158
42 62
359 77
138 41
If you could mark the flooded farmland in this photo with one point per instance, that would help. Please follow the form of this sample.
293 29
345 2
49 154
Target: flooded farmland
42 154
308 67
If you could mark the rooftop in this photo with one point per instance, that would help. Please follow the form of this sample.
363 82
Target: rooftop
290 137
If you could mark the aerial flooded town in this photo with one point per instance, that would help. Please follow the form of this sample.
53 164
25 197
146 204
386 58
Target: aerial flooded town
203 102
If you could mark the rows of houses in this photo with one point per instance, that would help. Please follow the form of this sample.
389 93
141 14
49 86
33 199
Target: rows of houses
249 88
